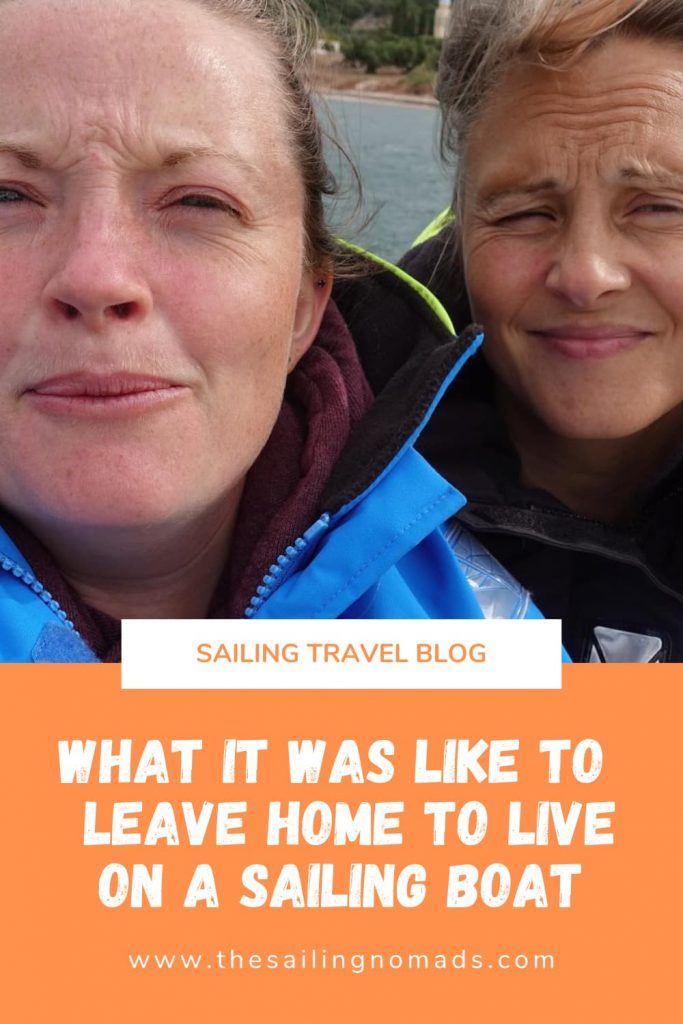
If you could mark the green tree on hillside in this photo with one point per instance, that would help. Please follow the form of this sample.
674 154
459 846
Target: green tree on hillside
373 50
408 17
412 18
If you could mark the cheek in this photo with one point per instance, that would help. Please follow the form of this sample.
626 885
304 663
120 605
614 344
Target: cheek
235 325
19 316
502 276
505 283
20 285
666 291
241 343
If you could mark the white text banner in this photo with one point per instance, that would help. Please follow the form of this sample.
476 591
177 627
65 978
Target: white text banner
343 654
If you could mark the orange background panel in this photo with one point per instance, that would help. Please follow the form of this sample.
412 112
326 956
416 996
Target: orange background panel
617 950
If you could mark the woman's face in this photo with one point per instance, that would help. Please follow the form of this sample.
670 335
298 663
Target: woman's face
152 294
573 238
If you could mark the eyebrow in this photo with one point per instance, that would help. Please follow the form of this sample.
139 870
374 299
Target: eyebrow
490 199
25 156
174 158
634 174
182 156
631 174
177 157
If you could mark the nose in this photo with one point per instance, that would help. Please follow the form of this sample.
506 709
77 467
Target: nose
589 263
98 277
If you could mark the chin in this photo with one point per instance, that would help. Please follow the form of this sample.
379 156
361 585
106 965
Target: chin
580 426
111 502
88 513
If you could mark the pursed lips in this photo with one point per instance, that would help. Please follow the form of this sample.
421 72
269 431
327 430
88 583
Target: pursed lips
589 341
91 385
84 393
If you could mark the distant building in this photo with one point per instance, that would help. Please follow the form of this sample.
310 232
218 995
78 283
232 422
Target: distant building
324 46
371 23
441 19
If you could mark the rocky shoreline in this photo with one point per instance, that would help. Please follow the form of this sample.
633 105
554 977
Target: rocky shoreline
375 96
332 76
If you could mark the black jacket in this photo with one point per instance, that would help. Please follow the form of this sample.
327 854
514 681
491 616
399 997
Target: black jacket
617 589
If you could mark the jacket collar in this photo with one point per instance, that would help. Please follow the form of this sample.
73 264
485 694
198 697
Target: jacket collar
410 353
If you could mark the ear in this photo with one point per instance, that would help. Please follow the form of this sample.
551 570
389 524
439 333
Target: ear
314 294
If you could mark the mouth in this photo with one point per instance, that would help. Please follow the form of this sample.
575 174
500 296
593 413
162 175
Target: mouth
88 394
590 341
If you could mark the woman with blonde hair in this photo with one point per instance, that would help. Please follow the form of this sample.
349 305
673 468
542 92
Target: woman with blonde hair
566 244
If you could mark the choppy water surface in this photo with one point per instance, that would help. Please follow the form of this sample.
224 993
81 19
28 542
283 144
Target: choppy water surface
395 149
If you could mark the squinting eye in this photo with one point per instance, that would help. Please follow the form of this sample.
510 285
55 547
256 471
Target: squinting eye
513 218
206 202
659 208
10 195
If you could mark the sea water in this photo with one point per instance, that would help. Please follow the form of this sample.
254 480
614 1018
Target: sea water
405 185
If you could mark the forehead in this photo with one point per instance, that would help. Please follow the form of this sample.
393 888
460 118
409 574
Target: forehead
128 72
620 105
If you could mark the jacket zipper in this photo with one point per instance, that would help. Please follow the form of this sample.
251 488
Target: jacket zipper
278 572
285 565
26 577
